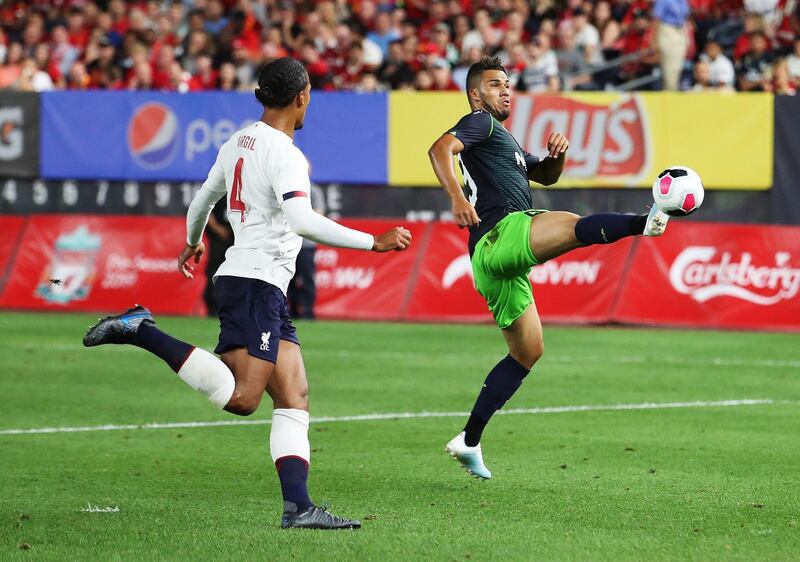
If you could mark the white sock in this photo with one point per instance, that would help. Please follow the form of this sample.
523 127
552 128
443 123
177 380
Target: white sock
207 374
289 434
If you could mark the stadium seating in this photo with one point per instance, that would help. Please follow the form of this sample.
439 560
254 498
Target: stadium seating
374 45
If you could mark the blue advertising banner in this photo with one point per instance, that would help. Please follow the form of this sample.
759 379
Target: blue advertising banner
163 136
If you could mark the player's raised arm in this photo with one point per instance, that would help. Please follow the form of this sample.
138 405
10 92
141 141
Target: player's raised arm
548 170
304 221
292 187
441 155
197 217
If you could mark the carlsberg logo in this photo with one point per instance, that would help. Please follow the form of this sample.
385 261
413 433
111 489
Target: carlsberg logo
696 272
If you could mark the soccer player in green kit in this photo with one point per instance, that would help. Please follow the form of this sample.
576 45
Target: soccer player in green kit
508 236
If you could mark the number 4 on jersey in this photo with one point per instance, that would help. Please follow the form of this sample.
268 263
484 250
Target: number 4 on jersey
236 203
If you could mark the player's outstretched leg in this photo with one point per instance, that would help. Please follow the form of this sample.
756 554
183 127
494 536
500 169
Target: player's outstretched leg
605 228
198 368
555 233
289 445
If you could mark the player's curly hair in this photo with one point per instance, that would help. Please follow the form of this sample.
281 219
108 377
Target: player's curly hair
280 81
477 69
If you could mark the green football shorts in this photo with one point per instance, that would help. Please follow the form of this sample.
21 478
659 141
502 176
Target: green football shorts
501 263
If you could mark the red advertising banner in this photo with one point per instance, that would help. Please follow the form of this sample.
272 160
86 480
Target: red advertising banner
715 275
583 285
696 275
433 281
10 226
364 285
444 290
102 263
577 287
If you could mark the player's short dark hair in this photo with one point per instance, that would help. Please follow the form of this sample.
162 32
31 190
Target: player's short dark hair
477 70
280 81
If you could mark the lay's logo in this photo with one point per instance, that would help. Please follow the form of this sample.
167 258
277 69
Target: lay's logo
153 135
606 140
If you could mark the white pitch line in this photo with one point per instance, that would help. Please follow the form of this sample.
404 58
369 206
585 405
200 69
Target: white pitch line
407 355
411 415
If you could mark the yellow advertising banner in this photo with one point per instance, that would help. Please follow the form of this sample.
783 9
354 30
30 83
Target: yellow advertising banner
616 139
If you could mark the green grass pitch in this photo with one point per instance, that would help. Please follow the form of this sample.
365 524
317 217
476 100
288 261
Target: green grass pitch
699 482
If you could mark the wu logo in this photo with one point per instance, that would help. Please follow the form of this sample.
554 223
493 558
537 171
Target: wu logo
265 341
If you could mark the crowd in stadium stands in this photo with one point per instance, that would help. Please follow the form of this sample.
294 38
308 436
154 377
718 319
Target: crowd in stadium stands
374 45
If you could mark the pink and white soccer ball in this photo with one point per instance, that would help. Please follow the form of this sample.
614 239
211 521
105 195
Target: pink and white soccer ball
678 191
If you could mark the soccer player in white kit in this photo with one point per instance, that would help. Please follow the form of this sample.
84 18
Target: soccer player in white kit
265 179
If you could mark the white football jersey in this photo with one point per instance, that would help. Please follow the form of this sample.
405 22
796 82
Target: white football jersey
259 168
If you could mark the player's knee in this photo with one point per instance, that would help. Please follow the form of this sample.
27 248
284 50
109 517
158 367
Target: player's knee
242 405
296 400
528 356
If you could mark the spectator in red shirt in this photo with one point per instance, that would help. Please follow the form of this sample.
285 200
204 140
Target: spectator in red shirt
119 16
205 77
163 68
246 29
319 72
353 69
639 39
753 23
165 32
78 32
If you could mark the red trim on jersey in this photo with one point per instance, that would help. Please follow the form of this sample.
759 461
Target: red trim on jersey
288 195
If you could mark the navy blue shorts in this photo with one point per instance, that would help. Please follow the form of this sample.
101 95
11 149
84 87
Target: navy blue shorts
252 314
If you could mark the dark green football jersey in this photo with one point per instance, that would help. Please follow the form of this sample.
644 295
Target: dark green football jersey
495 170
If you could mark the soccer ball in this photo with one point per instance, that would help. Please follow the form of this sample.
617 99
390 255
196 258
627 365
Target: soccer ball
678 191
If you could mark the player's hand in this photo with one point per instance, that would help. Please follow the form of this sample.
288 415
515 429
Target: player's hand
188 252
397 238
557 144
464 213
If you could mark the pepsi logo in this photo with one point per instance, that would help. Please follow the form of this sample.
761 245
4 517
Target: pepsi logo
153 135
